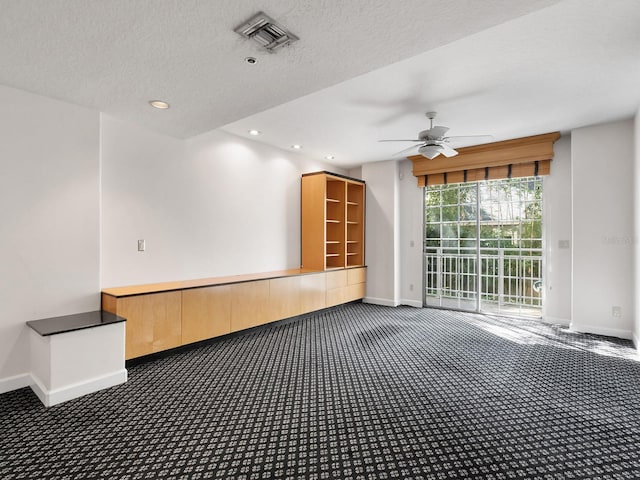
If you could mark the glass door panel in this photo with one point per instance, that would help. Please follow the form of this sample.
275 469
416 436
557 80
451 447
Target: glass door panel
483 246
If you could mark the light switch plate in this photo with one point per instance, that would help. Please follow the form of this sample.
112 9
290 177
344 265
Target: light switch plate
141 245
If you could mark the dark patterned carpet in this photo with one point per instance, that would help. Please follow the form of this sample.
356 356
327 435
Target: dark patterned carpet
358 392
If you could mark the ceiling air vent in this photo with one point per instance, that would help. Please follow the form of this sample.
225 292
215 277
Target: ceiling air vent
266 32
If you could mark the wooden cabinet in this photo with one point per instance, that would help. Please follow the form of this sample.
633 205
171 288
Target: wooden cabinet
249 302
356 284
206 313
345 286
312 292
153 321
332 221
336 287
284 297
166 315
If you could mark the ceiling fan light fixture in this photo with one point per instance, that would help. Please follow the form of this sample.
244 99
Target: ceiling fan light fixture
430 151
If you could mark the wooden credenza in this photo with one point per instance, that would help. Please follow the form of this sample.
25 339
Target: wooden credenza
166 315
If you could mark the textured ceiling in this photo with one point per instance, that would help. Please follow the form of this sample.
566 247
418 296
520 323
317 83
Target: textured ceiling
363 70
572 64
116 55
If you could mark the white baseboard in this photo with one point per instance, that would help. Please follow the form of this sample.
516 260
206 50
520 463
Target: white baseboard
565 322
385 302
15 382
636 341
411 303
597 330
59 395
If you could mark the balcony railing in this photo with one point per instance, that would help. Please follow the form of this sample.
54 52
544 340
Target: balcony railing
510 279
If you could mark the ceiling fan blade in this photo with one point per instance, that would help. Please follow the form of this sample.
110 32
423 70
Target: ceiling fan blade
447 151
476 139
406 150
405 140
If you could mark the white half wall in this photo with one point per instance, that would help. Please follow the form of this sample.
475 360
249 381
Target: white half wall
603 229
382 233
557 236
49 219
72 364
213 205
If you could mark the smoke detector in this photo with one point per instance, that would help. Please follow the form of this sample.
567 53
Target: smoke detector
263 30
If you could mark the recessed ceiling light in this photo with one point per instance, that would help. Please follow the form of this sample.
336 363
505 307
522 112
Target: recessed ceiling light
251 60
159 104
329 157
296 146
254 132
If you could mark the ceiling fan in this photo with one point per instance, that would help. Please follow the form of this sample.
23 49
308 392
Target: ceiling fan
434 141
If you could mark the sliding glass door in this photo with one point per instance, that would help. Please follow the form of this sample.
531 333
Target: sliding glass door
483 246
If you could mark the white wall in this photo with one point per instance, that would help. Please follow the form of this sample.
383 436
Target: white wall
411 228
214 205
49 219
355 172
382 232
557 229
603 228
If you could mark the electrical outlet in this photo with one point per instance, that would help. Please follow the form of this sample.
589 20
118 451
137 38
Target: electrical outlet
616 312
411 243
411 287
141 245
564 244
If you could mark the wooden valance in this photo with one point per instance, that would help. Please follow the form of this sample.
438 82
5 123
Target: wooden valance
520 157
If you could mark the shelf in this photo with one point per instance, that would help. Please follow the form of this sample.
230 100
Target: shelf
332 221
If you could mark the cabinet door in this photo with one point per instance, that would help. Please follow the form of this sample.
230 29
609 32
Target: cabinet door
284 298
356 275
248 304
153 322
206 313
336 287
356 284
313 292
355 292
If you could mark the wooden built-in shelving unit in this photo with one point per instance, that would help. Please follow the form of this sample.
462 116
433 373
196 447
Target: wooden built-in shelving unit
332 221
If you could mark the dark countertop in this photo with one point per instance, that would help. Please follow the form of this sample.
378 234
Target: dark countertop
70 323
